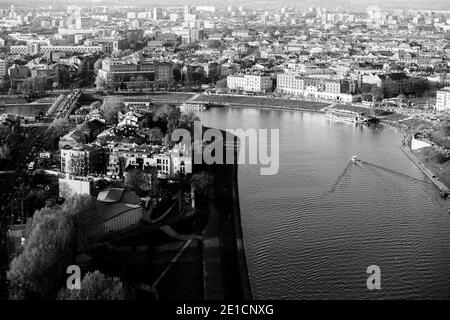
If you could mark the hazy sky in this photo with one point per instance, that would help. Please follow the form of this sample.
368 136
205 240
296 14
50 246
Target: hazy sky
428 4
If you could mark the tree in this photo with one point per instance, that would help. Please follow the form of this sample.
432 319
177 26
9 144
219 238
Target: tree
61 126
40 268
376 93
203 184
187 121
169 115
98 65
221 84
96 286
64 76
35 200
55 235
138 181
111 107
155 135
26 87
176 74
5 84
215 44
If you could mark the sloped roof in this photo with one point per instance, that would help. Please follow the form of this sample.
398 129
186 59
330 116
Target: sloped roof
110 196
119 195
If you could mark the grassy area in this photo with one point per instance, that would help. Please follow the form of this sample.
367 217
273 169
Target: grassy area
261 102
436 161
417 124
157 96
395 117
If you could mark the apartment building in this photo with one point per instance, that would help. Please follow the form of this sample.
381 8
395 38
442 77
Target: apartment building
391 84
317 87
443 99
168 163
82 159
250 83
136 73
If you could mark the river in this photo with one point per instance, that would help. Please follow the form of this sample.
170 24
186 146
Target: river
312 229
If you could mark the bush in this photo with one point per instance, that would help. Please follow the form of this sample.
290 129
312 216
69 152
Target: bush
96 286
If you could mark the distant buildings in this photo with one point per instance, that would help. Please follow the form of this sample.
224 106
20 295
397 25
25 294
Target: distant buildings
4 65
157 13
443 99
136 73
35 49
391 84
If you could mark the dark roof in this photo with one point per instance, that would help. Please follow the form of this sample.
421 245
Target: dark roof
398 76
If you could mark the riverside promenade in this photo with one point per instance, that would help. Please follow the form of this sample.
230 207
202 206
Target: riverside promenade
442 188
225 270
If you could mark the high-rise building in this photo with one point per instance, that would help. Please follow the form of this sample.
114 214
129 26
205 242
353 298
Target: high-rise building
157 13
189 14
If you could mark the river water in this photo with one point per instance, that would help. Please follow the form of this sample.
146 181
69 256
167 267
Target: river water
312 229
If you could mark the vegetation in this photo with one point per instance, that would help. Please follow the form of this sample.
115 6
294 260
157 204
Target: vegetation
97 286
169 118
141 181
111 107
203 183
56 234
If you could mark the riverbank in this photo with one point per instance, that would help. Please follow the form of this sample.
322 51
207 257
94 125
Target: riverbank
224 260
431 159
261 102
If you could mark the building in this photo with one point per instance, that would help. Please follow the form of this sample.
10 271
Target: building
119 209
123 157
157 13
72 138
4 65
35 49
391 84
320 87
443 99
250 83
136 73
82 159
108 45
189 35
84 23
70 185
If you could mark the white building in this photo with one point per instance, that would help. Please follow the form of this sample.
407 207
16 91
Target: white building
318 87
36 49
250 83
167 163
443 99
290 83
70 185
